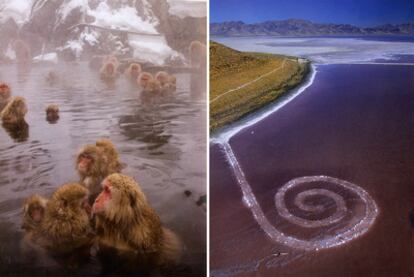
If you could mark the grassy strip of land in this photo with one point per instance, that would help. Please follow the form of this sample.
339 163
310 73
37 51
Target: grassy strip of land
241 82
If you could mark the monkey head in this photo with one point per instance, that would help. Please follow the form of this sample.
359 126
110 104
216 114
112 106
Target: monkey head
109 150
15 111
144 78
172 80
111 59
110 68
89 161
52 77
121 200
134 69
162 77
71 196
66 221
52 113
5 92
153 86
33 212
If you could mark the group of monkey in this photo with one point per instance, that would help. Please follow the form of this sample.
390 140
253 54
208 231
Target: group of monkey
161 81
105 213
14 109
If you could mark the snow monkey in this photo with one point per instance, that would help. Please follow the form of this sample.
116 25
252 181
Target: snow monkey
109 69
22 50
129 231
14 111
133 71
95 162
5 95
64 233
167 81
52 77
152 85
33 211
172 80
52 113
144 78
112 59
198 54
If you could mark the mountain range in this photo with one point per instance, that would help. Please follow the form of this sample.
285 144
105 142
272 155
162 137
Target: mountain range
299 27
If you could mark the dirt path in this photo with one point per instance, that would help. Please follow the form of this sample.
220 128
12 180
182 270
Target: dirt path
250 82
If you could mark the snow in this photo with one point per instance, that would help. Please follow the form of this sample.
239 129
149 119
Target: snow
75 46
152 49
49 57
90 37
19 10
184 8
70 5
125 18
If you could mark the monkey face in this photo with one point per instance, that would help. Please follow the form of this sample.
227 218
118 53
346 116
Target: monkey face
52 114
85 162
135 68
162 77
33 211
103 199
144 79
36 213
153 86
4 92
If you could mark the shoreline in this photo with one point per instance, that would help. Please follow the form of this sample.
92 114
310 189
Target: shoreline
224 133
254 94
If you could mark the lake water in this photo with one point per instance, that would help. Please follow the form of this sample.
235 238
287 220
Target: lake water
161 141
353 122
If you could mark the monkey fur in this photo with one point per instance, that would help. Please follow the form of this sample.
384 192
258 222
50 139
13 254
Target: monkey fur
129 230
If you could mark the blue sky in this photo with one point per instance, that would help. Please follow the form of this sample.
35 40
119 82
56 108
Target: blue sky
357 12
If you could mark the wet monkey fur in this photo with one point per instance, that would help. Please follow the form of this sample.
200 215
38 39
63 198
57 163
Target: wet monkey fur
109 68
64 232
129 230
144 78
5 95
167 81
52 113
133 71
95 162
15 111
